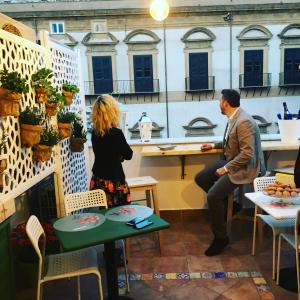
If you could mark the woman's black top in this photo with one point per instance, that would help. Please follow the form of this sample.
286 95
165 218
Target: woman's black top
110 150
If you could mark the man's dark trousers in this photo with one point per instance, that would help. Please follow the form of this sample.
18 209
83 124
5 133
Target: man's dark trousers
217 189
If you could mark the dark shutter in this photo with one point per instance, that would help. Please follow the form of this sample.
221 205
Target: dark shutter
291 66
198 71
253 68
143 73
102 70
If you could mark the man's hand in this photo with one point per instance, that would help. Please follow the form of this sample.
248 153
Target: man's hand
221 171
206 147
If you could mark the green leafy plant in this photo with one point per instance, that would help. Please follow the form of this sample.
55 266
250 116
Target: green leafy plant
41 79
78 128
65 117
70 88
49 136
55 96
3 141
13 82
32 116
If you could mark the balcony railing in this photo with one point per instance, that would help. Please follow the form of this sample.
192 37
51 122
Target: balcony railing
200 83
258 80
122 87
289 79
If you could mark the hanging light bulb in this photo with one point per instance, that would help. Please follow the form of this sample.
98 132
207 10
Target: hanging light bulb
159 9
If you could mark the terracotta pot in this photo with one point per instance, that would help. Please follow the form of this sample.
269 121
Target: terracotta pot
41 153
3 163
64 130
41 94
77 144
51 108
9 103
30 135
69 97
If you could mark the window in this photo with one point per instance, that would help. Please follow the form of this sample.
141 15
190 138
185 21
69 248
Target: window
198 71
143 73
102 71
57 27
253 68
292 66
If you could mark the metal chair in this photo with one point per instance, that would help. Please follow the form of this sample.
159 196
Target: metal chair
293 240
278 226
95 198
65 265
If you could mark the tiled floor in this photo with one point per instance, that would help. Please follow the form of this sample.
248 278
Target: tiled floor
155 276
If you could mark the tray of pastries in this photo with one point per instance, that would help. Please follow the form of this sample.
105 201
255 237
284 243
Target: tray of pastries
281 190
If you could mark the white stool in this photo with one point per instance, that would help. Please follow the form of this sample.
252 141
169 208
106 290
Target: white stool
147 184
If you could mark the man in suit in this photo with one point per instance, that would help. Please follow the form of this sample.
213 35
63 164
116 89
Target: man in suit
241 162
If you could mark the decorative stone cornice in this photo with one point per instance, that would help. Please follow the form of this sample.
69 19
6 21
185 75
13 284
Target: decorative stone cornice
266 33
65 38
282 34
99 39
132 34
210 36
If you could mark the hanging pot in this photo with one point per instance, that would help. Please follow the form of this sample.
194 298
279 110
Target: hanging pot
9 103
51 108
41 94
30 135
41 152
77 144
68 97
64 130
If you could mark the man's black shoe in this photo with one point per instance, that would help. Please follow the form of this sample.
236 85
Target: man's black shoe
217 246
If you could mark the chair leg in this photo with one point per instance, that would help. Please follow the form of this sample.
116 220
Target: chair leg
278 259
254 231
274 255
126 268
99 286
39 295
298 271
78 288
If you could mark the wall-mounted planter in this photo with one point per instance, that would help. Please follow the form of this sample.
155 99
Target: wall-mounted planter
51 108
64 130
41 94
9 103
68 97
30 134
77 144
41 153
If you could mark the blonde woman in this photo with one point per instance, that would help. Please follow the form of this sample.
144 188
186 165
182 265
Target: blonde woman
110 149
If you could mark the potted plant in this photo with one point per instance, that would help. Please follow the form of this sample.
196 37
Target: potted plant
11 90
31 120
69 90
65 120
3 155
41 83
54 100
78 136
49 138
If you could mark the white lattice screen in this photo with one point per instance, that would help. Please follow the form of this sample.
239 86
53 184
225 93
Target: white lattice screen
18 54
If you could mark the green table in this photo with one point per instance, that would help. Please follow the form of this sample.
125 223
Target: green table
107 234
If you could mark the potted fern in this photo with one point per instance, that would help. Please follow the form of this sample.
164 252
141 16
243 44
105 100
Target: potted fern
54 100
42 84
11 90
78 136
69 90
3 155
64 122
43 150
31 120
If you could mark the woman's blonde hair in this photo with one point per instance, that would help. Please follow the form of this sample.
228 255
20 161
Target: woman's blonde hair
106 114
